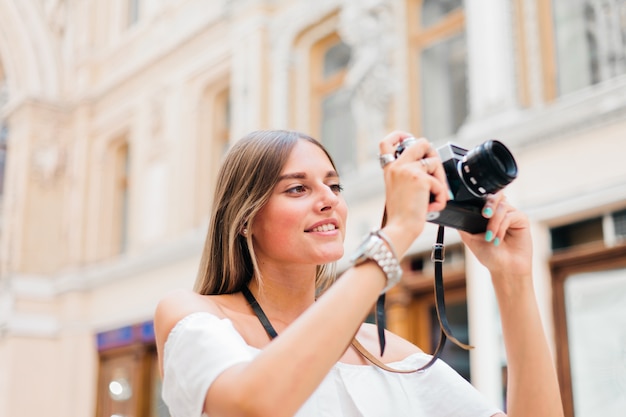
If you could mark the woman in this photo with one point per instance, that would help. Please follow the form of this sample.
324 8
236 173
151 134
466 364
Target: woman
277 226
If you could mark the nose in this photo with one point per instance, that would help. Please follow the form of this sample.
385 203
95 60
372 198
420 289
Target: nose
328 199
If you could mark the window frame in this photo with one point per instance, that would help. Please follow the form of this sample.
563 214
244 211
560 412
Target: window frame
212 141
418 39
322 87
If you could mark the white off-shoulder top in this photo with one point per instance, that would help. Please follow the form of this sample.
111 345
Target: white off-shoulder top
202 345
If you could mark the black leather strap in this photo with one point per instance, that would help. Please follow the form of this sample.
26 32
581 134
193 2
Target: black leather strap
269 329
381 322
437 257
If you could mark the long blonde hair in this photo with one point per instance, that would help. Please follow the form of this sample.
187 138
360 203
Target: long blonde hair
245 182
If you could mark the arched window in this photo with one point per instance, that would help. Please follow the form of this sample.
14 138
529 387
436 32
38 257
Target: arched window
332 115
317 89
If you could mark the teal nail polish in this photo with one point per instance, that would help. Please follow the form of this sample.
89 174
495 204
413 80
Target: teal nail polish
496 242
450 195
487 212
488 235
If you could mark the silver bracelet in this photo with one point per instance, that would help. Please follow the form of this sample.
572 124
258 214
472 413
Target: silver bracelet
378 248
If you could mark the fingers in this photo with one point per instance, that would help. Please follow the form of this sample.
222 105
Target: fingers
498 211
390 142
418 156
425 156
389 145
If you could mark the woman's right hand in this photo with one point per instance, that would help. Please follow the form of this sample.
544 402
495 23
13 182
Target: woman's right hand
410 180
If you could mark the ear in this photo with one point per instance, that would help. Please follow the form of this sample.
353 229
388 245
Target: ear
244 229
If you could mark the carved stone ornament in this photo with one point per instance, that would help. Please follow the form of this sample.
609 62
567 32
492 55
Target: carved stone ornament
48 161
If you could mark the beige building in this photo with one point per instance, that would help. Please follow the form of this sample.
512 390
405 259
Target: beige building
114 115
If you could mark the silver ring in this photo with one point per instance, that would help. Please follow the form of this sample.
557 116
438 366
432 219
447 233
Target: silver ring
425 164
385 159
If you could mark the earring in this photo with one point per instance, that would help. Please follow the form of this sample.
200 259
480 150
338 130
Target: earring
244 231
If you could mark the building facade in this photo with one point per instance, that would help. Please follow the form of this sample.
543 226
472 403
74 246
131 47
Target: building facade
114 116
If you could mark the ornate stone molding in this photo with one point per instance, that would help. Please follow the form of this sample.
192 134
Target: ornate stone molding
590 108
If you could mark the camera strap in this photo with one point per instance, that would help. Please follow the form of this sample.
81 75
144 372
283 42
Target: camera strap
437 257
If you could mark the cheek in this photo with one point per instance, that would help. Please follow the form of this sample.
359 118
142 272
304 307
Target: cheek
278 221
342 209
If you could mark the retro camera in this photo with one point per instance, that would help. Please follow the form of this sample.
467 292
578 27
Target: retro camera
472 175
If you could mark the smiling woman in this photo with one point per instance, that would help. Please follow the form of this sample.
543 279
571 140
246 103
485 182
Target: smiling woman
265 332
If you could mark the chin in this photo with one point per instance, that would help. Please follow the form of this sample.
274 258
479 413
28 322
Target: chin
333 257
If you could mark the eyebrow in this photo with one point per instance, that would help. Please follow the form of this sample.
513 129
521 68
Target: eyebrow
302 175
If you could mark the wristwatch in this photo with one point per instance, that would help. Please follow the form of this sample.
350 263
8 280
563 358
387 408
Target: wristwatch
378 248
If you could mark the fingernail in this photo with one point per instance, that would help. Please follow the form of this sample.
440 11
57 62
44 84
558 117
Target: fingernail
487 212
488 236
496 241
450 195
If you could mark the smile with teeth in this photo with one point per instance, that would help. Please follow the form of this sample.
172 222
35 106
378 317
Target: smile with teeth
324 228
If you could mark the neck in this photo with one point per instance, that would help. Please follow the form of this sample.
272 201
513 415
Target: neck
283 300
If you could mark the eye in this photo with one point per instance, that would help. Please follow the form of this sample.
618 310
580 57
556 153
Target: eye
297 189
337 188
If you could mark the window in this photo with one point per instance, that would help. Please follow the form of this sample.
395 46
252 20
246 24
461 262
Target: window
333 119
122 170
619 224
589 291
588 41
580 233
606 230
438 66
129 383
213 140
594 306
115 199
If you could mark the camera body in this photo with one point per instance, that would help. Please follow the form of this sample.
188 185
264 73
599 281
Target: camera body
472 175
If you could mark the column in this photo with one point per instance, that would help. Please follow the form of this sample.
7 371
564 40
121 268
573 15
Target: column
491 52
484 330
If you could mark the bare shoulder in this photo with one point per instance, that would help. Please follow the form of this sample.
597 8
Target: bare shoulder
396 347
178 304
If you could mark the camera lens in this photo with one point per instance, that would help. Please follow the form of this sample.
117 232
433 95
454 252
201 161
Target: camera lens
488 168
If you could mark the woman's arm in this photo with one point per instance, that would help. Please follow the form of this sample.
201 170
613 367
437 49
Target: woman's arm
533 388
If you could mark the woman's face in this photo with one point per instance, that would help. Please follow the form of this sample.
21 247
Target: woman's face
304 220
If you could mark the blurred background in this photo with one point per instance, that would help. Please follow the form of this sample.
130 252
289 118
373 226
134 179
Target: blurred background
115 114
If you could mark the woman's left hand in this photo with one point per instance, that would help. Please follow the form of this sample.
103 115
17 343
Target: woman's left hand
506 246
